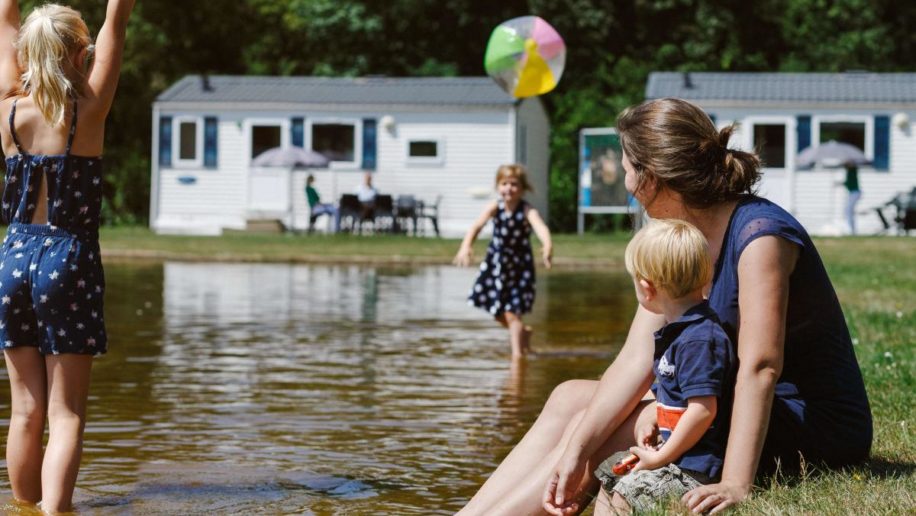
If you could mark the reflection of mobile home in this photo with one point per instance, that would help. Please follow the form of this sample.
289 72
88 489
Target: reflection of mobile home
781 114
426 137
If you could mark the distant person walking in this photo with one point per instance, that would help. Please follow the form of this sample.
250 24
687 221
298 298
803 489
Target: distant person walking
854 194
505 286
57 89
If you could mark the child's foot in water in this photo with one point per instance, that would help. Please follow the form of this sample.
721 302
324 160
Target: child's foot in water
526 340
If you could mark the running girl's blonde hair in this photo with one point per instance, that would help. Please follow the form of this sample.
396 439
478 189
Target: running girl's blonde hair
671 254
47 40
514 171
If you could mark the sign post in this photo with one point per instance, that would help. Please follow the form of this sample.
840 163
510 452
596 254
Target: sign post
601 177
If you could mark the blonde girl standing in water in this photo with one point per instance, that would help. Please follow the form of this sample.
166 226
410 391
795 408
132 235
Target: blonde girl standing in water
505 286
57 89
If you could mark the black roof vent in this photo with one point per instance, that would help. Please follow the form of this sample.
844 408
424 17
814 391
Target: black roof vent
688 83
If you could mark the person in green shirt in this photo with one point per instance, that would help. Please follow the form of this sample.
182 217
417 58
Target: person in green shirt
316 207
852 186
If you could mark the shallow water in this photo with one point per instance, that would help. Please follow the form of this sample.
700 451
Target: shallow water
264 388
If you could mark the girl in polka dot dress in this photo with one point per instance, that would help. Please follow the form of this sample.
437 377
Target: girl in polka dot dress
56 88
505 286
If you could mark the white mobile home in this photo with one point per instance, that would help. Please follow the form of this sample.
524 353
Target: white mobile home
427 137
781 114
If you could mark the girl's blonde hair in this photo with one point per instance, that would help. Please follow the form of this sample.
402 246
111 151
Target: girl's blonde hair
514 171
671 254
47 40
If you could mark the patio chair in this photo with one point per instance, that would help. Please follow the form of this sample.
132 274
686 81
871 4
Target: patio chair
904 218
351 212
431 212
406 210
383 214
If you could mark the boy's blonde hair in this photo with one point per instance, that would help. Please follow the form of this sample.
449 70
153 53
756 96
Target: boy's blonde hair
47 39
671 254
515 171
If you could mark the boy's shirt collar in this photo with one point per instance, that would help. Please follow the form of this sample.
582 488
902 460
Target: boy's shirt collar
671 331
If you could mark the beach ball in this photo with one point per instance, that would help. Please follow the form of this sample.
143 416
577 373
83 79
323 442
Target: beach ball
525 56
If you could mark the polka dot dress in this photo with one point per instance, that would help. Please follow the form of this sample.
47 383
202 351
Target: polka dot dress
506 279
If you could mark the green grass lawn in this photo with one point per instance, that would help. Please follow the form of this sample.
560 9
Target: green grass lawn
875 278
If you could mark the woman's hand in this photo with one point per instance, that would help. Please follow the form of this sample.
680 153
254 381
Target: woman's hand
547 254
716 497
464 257
560 493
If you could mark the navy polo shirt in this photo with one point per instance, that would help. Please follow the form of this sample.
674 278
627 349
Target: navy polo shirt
694 357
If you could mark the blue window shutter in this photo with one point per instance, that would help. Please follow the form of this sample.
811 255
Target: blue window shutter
882 142
165 141
369 144
803 131
297 131
211 141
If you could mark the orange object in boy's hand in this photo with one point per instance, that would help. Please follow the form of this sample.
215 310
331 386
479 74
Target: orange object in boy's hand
625 464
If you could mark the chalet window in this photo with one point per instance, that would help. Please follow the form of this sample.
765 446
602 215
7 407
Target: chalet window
264 137
335 140
770 142
852 133
188 142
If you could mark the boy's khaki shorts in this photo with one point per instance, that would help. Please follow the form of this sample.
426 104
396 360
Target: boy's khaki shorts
643 490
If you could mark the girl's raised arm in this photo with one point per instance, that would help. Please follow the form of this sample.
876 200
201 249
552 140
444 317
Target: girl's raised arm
466 251
9 61
109 48
543 233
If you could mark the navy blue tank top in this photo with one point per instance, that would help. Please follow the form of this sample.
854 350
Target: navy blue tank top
74 185
821 383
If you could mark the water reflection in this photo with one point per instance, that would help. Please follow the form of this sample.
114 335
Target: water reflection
242 388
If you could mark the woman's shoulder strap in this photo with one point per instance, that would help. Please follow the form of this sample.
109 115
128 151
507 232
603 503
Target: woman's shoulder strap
72 127
13 125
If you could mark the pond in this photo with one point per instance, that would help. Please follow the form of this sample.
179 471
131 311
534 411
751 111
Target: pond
274 388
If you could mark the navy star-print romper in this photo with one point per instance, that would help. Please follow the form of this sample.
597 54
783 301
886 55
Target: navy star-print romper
506 280
51 279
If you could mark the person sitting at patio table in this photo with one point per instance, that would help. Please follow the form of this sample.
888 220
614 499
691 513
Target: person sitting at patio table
316 207
366 193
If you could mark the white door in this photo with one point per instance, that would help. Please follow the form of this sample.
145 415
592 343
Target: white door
773 138
270 190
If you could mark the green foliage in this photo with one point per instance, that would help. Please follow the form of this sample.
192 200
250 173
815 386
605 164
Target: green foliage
612 47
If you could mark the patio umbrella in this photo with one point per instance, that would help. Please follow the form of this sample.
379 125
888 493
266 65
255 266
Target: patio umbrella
290 157
832 153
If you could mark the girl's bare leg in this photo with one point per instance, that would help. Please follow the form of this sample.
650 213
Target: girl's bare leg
26 369
566 400
526 497
517 335
68 388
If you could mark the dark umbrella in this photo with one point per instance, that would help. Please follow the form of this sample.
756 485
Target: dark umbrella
831 153
290 157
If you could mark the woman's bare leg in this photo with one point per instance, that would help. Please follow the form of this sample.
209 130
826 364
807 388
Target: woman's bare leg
527 496
26 369
566 400
68 388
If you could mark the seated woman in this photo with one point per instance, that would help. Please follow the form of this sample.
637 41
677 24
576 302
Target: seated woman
799 391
